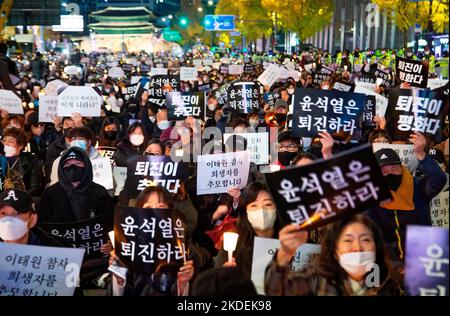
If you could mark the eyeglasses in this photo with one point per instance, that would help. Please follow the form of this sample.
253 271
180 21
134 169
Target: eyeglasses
290 148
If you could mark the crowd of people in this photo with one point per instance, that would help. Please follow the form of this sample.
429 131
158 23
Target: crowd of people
46 173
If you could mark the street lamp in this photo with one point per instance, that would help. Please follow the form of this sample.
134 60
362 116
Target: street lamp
163 19
210 2
170 16
200 9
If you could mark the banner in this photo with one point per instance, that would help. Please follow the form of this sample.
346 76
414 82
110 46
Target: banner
263 252
181 105
426 261
243 97
83 100
270 75
411 71
404 151
89 234
257 146
147 239
48 108
415 110
145 171
221 172
326 110
102 172
38 271
9 101
439 210
324 191
188 74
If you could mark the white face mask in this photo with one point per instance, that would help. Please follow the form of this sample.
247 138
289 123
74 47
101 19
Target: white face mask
136 140
409 54
262 219
152 119
211 107
291 91
163 125
357 263
12 228
325 87
10 151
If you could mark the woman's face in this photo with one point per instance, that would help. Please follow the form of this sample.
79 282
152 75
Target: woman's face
154 149
137 131
37 129
153 201
112 128
355 237
263 201
381 139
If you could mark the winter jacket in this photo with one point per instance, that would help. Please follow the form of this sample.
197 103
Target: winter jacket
125 150
54 151
29 167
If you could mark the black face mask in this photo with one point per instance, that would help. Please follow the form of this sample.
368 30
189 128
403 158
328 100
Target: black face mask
286 157
74 173
111 135
280 118
148 154
393 181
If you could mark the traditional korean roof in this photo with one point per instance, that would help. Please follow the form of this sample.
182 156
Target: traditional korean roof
123 14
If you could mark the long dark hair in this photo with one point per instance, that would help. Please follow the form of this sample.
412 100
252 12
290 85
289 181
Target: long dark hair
162 193
103 141
130 130
244 247
327 263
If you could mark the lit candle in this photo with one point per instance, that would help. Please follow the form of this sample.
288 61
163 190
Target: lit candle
111 237
229 243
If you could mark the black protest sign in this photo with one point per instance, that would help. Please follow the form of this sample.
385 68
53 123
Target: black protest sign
326 70
181 105
221 93
326 190
204 87
369 111
89 234
130 91
105 151
366 78
159 85
411 71
384 76
321 77
145 68
145 171
127 68
148 239
100 69
343 86
243 97
415 110
327 110
270 98
249 69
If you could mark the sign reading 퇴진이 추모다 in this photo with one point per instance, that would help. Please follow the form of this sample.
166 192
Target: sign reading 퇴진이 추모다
181 105
83 100
9 101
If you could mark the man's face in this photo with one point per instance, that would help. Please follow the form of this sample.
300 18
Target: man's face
68 123
391 169
29 217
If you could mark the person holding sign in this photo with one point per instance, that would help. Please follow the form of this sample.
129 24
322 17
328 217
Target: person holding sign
352 262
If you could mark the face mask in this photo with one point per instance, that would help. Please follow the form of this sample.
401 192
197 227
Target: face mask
136 140
280 118
163 125
286 157
74 173
409 54
393 181
357 263
79 143
107 90
254 123
427 53
211 107
325 87
10 151
152 119
111 135
291 91
12 228
262 219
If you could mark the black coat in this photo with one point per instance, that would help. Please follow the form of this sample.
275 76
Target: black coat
29 167
54 151
125 150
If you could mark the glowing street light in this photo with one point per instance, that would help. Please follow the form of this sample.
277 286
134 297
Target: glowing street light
200 9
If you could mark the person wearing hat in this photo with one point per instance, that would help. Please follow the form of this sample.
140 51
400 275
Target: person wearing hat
288 147
18 220
411 195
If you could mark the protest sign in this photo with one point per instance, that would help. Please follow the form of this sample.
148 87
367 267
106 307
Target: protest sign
9 101
384 76
368 81
342 86
270 75
439 210
48 108
369 111
436 83
83 100
120 175
415 110
54 87
411 71
181 105
324 191
158 71
270 98
224 69
145 171
106 151
404 151
188 74
235 69
158 86
381 102
116 72
144 69
326 110
263 252
426 263
102 172
27 270
257 146
147 239
243 97
221 172
249 69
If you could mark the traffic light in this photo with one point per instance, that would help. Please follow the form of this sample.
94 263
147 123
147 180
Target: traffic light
183 21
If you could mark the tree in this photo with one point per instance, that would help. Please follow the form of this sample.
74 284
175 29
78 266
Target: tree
192 29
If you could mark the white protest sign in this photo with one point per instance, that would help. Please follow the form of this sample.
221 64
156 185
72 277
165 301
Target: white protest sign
257 145
404 151
221 172
38 271
308 67
120 175
263 251
135 79
289 65
235 69
358 68
116 72
270 75
366 85
83 100
158 71
54 87
216 66
48 108
294 74
111 104
101 168
9 101
381 101
72 70
188 74
207 62
436 83
197 62
439 209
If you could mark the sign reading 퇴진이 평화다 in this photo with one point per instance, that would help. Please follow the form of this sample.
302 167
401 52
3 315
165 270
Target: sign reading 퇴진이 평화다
411 71
181 105
9 101
102 172
415 110
439 210
257 146
324 191
27 270
83 100
427 261
145 171
404 151
90 234
263 252
188 74
318 111
147 239
48 108
243 97
220 172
